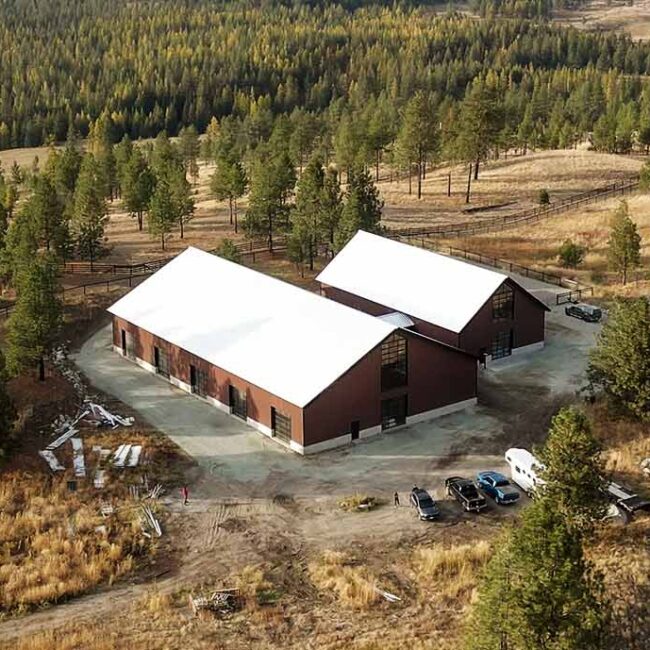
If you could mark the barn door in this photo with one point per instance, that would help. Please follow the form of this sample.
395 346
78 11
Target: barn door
237 402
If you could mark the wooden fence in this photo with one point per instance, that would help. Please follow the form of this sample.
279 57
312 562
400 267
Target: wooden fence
249 249
495 224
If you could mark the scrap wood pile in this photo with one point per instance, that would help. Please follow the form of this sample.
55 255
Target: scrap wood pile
150 525
223 601
66 428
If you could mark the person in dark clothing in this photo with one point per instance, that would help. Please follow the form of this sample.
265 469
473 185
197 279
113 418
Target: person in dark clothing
396 499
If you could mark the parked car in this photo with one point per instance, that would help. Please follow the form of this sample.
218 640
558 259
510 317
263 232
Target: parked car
584 312
498 487
424 505
466 493
524 469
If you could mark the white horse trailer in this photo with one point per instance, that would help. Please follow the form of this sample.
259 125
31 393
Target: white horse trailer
524 469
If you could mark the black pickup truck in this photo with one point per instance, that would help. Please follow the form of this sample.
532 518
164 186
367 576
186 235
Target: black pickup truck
466 493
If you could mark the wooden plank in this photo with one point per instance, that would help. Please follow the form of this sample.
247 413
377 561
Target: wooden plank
78 457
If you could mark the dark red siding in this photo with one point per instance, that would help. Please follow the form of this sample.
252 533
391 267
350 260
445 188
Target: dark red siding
437 376
527 325
259 401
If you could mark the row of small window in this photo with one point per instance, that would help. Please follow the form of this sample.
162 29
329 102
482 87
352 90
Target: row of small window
238 402
394 362
503 303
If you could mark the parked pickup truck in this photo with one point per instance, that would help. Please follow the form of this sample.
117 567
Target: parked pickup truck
466 493
584 312
498 487
626 501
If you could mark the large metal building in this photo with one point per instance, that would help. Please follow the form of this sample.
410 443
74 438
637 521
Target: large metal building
307 371
469 307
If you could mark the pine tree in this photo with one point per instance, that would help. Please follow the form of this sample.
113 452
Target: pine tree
539 591
122 152
418 138
138 184
362 208
228 250
307 217
162 212
271 186
229 182
481 121
7 410
48 212
181 193
332 205
624 246
620 363
189 150
89 214
21 245
573 471
35 322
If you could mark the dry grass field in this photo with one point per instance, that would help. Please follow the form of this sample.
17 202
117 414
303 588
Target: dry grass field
515 181
537 244
630 16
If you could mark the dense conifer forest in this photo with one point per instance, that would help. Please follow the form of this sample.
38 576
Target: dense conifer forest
155 66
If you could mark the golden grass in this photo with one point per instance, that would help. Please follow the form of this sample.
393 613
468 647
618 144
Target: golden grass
49 544
355 501
354 586
537 244
450 572
253 585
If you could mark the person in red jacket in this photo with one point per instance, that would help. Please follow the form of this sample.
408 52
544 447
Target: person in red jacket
185 494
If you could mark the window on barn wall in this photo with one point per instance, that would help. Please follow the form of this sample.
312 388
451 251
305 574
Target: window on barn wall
161 361
394 362
502 345
198 381
503 303
281 425
393 412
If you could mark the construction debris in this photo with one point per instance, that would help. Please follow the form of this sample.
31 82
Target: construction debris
127 455
106 509
149 521
155 492
98 416
223 601
100 479
78 457
391 598
51 460
645 466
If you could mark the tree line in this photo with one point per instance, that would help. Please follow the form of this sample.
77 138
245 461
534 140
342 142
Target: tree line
541 589
154 66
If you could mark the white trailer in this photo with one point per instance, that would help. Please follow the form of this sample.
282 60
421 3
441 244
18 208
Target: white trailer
524 469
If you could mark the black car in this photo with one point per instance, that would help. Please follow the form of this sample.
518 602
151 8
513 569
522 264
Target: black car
584 312
424 505
466 493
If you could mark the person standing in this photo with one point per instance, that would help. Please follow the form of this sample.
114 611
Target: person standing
185 494
396 499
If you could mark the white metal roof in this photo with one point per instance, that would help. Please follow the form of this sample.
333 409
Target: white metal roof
435 288
290 342
398 319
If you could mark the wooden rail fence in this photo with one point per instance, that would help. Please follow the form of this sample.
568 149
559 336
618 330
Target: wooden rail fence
619 188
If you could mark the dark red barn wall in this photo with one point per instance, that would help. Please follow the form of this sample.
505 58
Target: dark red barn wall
259 401
527 325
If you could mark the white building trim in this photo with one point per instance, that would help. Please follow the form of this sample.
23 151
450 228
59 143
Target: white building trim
439 412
